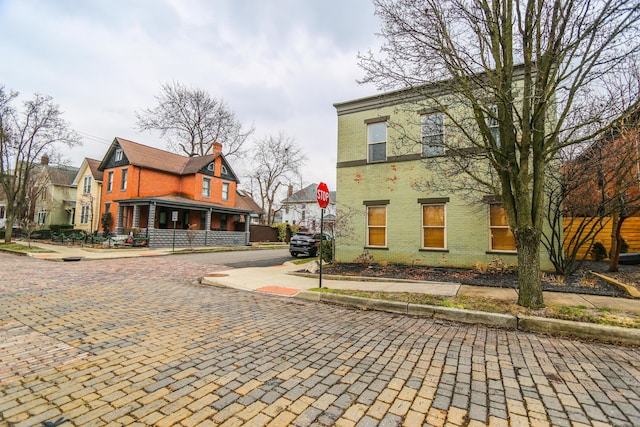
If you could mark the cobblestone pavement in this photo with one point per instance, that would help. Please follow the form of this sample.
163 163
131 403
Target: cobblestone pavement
139 342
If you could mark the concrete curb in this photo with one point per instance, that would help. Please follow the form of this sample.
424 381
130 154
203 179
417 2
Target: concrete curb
556 327
445 313
589 331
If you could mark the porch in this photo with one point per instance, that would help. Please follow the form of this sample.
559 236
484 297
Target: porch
173 221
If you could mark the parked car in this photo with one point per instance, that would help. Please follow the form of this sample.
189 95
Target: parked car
306 243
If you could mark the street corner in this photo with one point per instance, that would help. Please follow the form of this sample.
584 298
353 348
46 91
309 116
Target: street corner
278 290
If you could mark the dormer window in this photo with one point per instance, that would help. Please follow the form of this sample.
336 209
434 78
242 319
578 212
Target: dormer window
119 154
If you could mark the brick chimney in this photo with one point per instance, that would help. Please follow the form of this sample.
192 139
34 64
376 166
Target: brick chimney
44 160
217 148
290 190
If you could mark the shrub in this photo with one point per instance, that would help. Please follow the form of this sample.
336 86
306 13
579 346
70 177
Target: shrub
327 251
43 234
282 230
365 259
498 266
598 252
106 222
624 246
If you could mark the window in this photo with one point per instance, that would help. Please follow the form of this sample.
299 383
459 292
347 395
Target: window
3 212
110 182
223 222
211 167
86 187
432 134
84 214
303 214
225 191
501 236
377 141
119 154
123 181
42 217
492 122
377 226
433 227
224 170
206 187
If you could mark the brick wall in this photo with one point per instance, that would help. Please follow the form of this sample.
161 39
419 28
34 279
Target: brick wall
165 238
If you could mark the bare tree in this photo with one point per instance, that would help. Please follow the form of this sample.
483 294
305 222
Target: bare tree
191 120
522 79
24 138
598 185
277 160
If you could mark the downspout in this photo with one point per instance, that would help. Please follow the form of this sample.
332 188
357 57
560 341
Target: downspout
97 220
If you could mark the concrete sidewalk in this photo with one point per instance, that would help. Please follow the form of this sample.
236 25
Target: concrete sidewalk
75 252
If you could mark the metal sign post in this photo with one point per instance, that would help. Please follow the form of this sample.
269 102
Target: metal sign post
322 197
321 240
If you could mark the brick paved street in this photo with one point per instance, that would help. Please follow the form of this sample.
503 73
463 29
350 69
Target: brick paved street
139 342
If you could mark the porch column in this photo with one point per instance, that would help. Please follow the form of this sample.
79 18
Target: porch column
136 216
208 221
119 229
151 221
247 229
207 227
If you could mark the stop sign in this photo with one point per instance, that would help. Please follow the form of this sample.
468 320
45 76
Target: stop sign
322 195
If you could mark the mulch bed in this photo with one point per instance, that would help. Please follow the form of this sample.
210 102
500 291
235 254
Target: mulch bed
582 282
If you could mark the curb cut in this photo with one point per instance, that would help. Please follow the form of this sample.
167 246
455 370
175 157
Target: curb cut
555 327
630 290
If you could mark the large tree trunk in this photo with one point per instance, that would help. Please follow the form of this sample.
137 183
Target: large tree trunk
530 290
8 228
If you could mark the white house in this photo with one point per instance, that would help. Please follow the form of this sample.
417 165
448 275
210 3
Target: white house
301 208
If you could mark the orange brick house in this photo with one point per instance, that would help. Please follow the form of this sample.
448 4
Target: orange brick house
161 195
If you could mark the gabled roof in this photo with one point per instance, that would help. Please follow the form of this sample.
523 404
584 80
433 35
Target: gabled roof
92 165
154 158
246 202
61 175
307 195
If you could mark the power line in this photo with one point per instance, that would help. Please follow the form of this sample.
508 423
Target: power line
93 138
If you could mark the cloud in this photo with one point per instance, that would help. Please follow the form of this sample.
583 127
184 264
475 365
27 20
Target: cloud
279 64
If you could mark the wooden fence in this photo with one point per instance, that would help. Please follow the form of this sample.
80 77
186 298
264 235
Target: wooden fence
630 233
263 233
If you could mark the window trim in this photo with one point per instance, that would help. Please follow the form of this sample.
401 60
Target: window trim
493 123
226 189
123 179
109 181
84 214
86 184
423 136
370 123
443 227
119 155
501 227
368 227
206 194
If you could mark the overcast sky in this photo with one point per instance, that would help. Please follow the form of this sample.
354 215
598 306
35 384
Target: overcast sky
279 64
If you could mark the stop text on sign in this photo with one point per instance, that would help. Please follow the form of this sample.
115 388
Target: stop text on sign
322 195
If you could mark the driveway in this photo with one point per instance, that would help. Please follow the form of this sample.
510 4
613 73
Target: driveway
141 342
